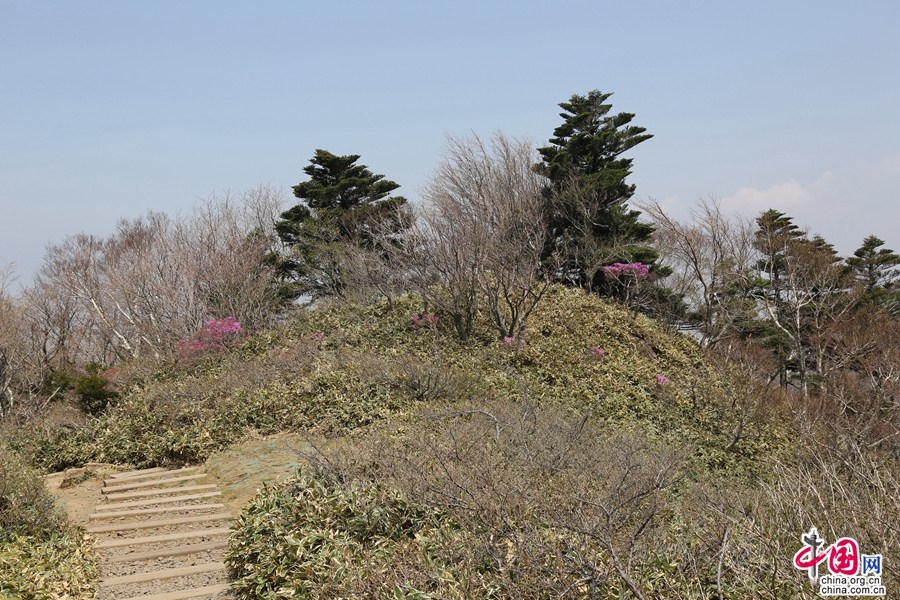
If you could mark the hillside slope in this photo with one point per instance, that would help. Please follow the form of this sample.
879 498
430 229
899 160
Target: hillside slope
342 368
598 405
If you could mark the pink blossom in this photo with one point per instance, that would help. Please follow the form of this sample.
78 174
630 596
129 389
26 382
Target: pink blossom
424 319
216 334
637 269
595 351
661 380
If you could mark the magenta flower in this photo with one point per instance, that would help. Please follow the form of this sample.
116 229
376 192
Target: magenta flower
424 319
661 380
218 335
595 351
637 269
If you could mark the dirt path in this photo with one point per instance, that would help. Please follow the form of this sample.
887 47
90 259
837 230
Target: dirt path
162 533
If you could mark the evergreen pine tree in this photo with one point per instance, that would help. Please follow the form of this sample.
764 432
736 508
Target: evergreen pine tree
342 203
587 216
875 267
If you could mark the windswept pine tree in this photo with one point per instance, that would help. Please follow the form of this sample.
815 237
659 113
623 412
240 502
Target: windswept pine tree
876 268
342 204
588 219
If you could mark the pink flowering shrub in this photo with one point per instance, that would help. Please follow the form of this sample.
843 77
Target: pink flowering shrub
596 352
661 380
215 336
636 269
511 343
424 320
626 279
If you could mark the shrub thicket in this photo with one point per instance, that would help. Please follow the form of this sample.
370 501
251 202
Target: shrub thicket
507 500
93 390
349 366
41 556
503 464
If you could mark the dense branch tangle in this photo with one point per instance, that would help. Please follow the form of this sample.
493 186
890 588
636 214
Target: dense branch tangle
481 233
158 278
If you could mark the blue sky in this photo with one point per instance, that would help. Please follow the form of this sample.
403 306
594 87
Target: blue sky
108 109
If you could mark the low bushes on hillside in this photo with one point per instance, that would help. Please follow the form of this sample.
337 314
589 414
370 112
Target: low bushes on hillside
41 556
317 536
344 367
503 500
507 500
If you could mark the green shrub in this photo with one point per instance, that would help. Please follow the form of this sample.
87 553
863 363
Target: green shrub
41 556
93 390
26 507
314 536
58 381
60 566
348 366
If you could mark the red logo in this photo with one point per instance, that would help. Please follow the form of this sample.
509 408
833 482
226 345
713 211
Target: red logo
842 556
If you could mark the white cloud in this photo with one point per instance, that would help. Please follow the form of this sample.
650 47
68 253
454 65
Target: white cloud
782 196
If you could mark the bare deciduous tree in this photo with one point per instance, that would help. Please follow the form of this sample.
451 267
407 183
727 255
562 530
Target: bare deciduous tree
584 247
481 234
806 291
712 260
158 278
10 343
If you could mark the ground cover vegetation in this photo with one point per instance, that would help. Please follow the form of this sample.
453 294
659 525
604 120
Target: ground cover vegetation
529 389
41 556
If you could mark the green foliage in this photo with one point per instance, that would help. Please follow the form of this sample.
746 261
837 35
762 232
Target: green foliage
876 268
41 557
511 501
61 565
93 390
58 380
349 366
588 220
25 506
314 537
343 203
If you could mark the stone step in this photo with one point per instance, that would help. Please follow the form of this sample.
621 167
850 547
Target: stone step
164 574
138 473
169 537
208 590
167 552
172 490
161 523
153 511
167 500
142 484
116 479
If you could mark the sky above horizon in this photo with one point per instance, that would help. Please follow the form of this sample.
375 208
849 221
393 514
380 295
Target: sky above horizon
111 109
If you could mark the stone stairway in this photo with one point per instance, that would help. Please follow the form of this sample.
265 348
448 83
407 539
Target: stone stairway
161 535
